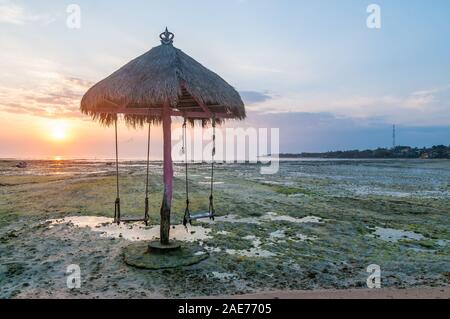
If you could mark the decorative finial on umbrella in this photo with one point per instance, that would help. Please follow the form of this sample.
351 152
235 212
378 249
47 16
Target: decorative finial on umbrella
166 37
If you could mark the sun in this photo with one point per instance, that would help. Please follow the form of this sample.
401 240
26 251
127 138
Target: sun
58 134
58 131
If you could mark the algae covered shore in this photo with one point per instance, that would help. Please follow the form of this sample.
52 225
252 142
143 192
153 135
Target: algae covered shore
317 224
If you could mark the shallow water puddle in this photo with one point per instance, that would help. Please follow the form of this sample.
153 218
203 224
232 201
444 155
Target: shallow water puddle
234 219
223 275
132 231
211 249
443 242
279 236
252 252
394 235
308 219
301 237
255 251
366 190
270 216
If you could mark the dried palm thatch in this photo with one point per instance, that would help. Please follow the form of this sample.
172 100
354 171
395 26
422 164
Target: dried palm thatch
162 76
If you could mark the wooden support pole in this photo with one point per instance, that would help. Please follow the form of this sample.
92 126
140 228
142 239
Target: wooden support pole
168 176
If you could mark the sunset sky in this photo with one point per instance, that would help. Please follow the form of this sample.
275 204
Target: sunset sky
311 68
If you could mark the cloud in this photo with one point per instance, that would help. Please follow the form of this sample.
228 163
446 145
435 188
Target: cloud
421 107
59 98
13 13
295 120
252 97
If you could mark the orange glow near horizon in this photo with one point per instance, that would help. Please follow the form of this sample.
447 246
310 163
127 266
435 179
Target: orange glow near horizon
31 137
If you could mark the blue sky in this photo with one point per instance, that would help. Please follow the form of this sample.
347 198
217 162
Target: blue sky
312 68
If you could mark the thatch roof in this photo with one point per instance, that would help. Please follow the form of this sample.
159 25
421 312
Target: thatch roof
163 75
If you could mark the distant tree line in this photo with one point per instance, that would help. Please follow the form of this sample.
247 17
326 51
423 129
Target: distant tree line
435 152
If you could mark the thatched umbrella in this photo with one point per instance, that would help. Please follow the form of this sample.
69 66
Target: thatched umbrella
161 83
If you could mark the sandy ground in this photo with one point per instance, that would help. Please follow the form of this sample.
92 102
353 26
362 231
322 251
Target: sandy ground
316 226
410 293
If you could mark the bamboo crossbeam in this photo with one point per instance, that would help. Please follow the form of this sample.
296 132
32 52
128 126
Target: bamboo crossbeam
158 112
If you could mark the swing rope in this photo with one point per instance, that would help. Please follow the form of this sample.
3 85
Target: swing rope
211 210
211 196
117 217
117 203
184 150
146 214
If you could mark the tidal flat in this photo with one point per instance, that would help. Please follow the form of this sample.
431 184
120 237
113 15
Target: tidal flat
317 224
